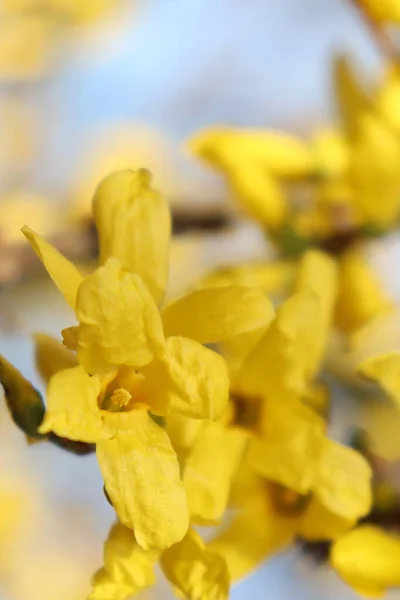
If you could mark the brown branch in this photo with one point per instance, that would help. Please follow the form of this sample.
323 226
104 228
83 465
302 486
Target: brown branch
79 242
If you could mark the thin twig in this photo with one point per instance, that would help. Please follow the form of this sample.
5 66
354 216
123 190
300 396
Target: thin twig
79 242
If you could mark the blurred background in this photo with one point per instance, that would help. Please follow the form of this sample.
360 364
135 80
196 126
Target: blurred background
90 86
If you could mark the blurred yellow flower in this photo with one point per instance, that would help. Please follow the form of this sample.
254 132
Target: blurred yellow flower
385 11
193 570
19 60
368 559
69 10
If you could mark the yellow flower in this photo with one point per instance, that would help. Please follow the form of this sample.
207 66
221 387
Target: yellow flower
253 162
193 570
368 559
271 516
19 60
135 364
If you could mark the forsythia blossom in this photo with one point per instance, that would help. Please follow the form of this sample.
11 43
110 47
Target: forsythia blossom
136 367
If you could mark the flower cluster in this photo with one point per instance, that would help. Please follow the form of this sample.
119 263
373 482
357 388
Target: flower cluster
210 414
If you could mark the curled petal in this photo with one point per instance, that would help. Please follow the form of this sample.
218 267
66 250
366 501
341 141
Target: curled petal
119 323
134 225
72 410
127 569
195 571
198 379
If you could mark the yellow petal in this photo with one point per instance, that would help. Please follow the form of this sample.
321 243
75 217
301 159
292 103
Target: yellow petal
198 379
105 588
183 432
278 366
260 195
380 420
51 356
141 474
62 271
272 277
380 336
119 323
290 446
72 410
209 469
236 349
386 371
352 98
319 523
212 315
374 172
134 225
128 568
368 559
388 98
195 571
361 295
283 155
318 273
343 482
331 152
254 534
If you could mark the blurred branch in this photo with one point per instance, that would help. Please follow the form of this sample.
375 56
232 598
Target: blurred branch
79 241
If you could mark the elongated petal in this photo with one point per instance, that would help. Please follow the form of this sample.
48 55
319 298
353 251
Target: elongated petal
385 370
195 571
119 323
134 225
198 379
64 274
343 482
272 277
289 355
52 356
318 273
362 296
277 366
368 559
141 474
72 410
254 534
128 568
212 315
209 470
289 448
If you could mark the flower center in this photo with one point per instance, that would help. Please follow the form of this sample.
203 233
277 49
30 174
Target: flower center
247 411
120 400
288 502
